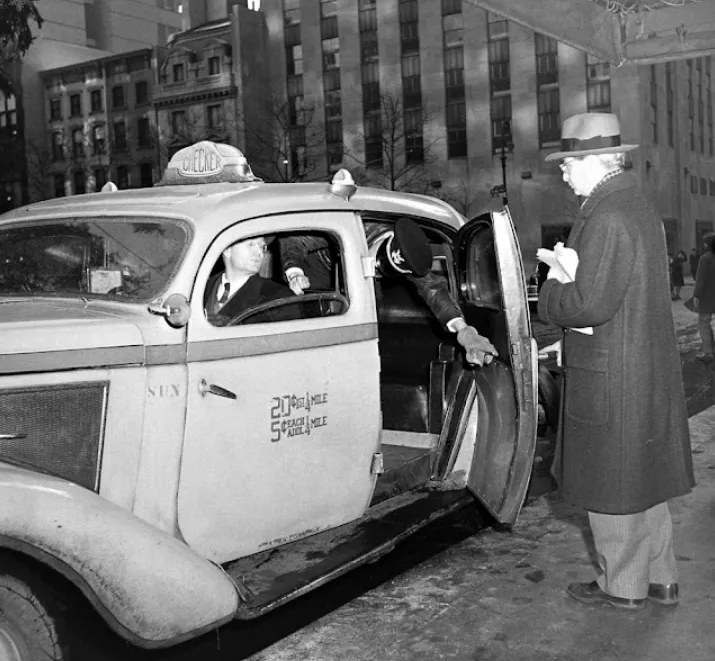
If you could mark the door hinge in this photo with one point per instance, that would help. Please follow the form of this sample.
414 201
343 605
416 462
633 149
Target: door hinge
378 465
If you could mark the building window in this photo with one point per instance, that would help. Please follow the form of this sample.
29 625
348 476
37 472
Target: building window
99 139
547 64
703 186
143 133
670 126
146 175
95 101
501 113
141 92
414 136
367 19
120 136
549 117
177 73
79 183
8 116
294 60
547 82
370 87
58 183
118 97
598 85
75 105
214 116
409 27
331 53
100 178
55 109
456 130
456 116
122 177
178 123
78 143
653 104
712 187
499 63
693 184
58 151
214 65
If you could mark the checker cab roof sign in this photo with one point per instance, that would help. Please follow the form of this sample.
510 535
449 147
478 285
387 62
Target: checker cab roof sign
207 162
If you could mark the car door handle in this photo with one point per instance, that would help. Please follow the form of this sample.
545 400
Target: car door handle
212 389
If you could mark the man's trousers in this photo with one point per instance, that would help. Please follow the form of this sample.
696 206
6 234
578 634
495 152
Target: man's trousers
634 550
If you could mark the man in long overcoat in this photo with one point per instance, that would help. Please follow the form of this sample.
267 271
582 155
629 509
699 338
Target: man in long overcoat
624 439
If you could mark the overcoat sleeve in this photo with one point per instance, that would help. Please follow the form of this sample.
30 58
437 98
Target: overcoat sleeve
433 289
606 254
701 277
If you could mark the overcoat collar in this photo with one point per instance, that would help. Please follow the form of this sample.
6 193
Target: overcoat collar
619 182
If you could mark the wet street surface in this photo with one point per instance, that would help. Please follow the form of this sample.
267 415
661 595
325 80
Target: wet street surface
431 550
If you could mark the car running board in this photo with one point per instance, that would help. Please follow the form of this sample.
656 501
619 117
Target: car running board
272 578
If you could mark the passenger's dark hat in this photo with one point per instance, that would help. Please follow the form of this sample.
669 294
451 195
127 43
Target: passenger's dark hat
590 133
406 251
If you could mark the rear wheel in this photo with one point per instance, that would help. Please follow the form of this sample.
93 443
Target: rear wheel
29 629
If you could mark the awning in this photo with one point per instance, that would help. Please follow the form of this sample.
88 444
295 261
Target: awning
621 31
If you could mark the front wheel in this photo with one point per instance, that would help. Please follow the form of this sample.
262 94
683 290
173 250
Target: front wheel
28 625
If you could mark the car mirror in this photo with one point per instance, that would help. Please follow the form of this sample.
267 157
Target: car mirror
175 309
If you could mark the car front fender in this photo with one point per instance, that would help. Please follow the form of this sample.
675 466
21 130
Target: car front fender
151 588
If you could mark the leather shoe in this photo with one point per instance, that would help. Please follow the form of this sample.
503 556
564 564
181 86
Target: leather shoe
591 593
665 595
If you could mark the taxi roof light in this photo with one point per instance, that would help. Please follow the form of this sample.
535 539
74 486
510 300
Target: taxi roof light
207 162
343 184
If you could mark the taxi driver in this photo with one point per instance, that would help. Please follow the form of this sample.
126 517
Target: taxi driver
240 286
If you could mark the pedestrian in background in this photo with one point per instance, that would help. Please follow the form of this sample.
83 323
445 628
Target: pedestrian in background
694 260
624 445
704 301
676 275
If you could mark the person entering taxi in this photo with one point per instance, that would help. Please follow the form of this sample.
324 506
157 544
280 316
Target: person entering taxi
240 286
404 252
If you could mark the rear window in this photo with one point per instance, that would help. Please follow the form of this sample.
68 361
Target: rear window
122 258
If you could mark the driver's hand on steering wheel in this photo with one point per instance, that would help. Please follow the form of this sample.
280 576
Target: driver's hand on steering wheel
297 281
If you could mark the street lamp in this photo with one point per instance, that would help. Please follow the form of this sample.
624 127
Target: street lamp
285 169
506 146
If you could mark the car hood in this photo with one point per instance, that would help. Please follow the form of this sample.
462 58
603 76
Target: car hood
44 335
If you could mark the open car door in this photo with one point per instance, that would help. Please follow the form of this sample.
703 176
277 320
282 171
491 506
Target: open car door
493 297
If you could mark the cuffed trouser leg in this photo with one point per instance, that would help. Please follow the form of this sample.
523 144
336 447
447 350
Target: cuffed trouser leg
706 332
634 550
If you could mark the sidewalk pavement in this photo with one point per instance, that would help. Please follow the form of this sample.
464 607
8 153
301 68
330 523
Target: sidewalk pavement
499 596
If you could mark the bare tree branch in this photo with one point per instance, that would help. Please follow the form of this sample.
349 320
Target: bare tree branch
288 144
399 148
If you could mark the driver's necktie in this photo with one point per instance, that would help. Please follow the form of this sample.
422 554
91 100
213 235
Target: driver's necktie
224 295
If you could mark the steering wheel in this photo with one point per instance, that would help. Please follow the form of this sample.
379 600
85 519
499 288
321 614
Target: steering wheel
320 297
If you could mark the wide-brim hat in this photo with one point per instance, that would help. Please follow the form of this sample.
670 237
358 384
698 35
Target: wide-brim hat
590 133
404 251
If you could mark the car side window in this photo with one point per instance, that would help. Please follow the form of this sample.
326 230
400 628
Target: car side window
251 281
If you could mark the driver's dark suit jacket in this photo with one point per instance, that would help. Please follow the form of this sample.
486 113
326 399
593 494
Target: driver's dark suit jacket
255 291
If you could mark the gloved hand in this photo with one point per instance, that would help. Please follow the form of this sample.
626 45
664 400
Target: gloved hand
480 351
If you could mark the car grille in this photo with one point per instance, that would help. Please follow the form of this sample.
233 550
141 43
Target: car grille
55 429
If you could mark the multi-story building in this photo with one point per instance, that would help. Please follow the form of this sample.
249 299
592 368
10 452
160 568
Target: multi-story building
440 96
101 126
73 31
433 96
210 81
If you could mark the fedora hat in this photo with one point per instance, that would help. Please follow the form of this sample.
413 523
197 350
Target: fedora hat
590 133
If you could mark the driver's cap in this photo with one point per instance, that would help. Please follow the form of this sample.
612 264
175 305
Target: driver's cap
408 251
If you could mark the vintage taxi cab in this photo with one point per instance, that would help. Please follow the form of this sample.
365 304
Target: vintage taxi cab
183 473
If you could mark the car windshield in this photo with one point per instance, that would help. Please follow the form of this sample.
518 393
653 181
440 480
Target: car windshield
123 258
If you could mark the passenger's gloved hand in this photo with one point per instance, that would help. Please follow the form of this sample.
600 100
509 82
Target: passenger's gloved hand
297 281
480 351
